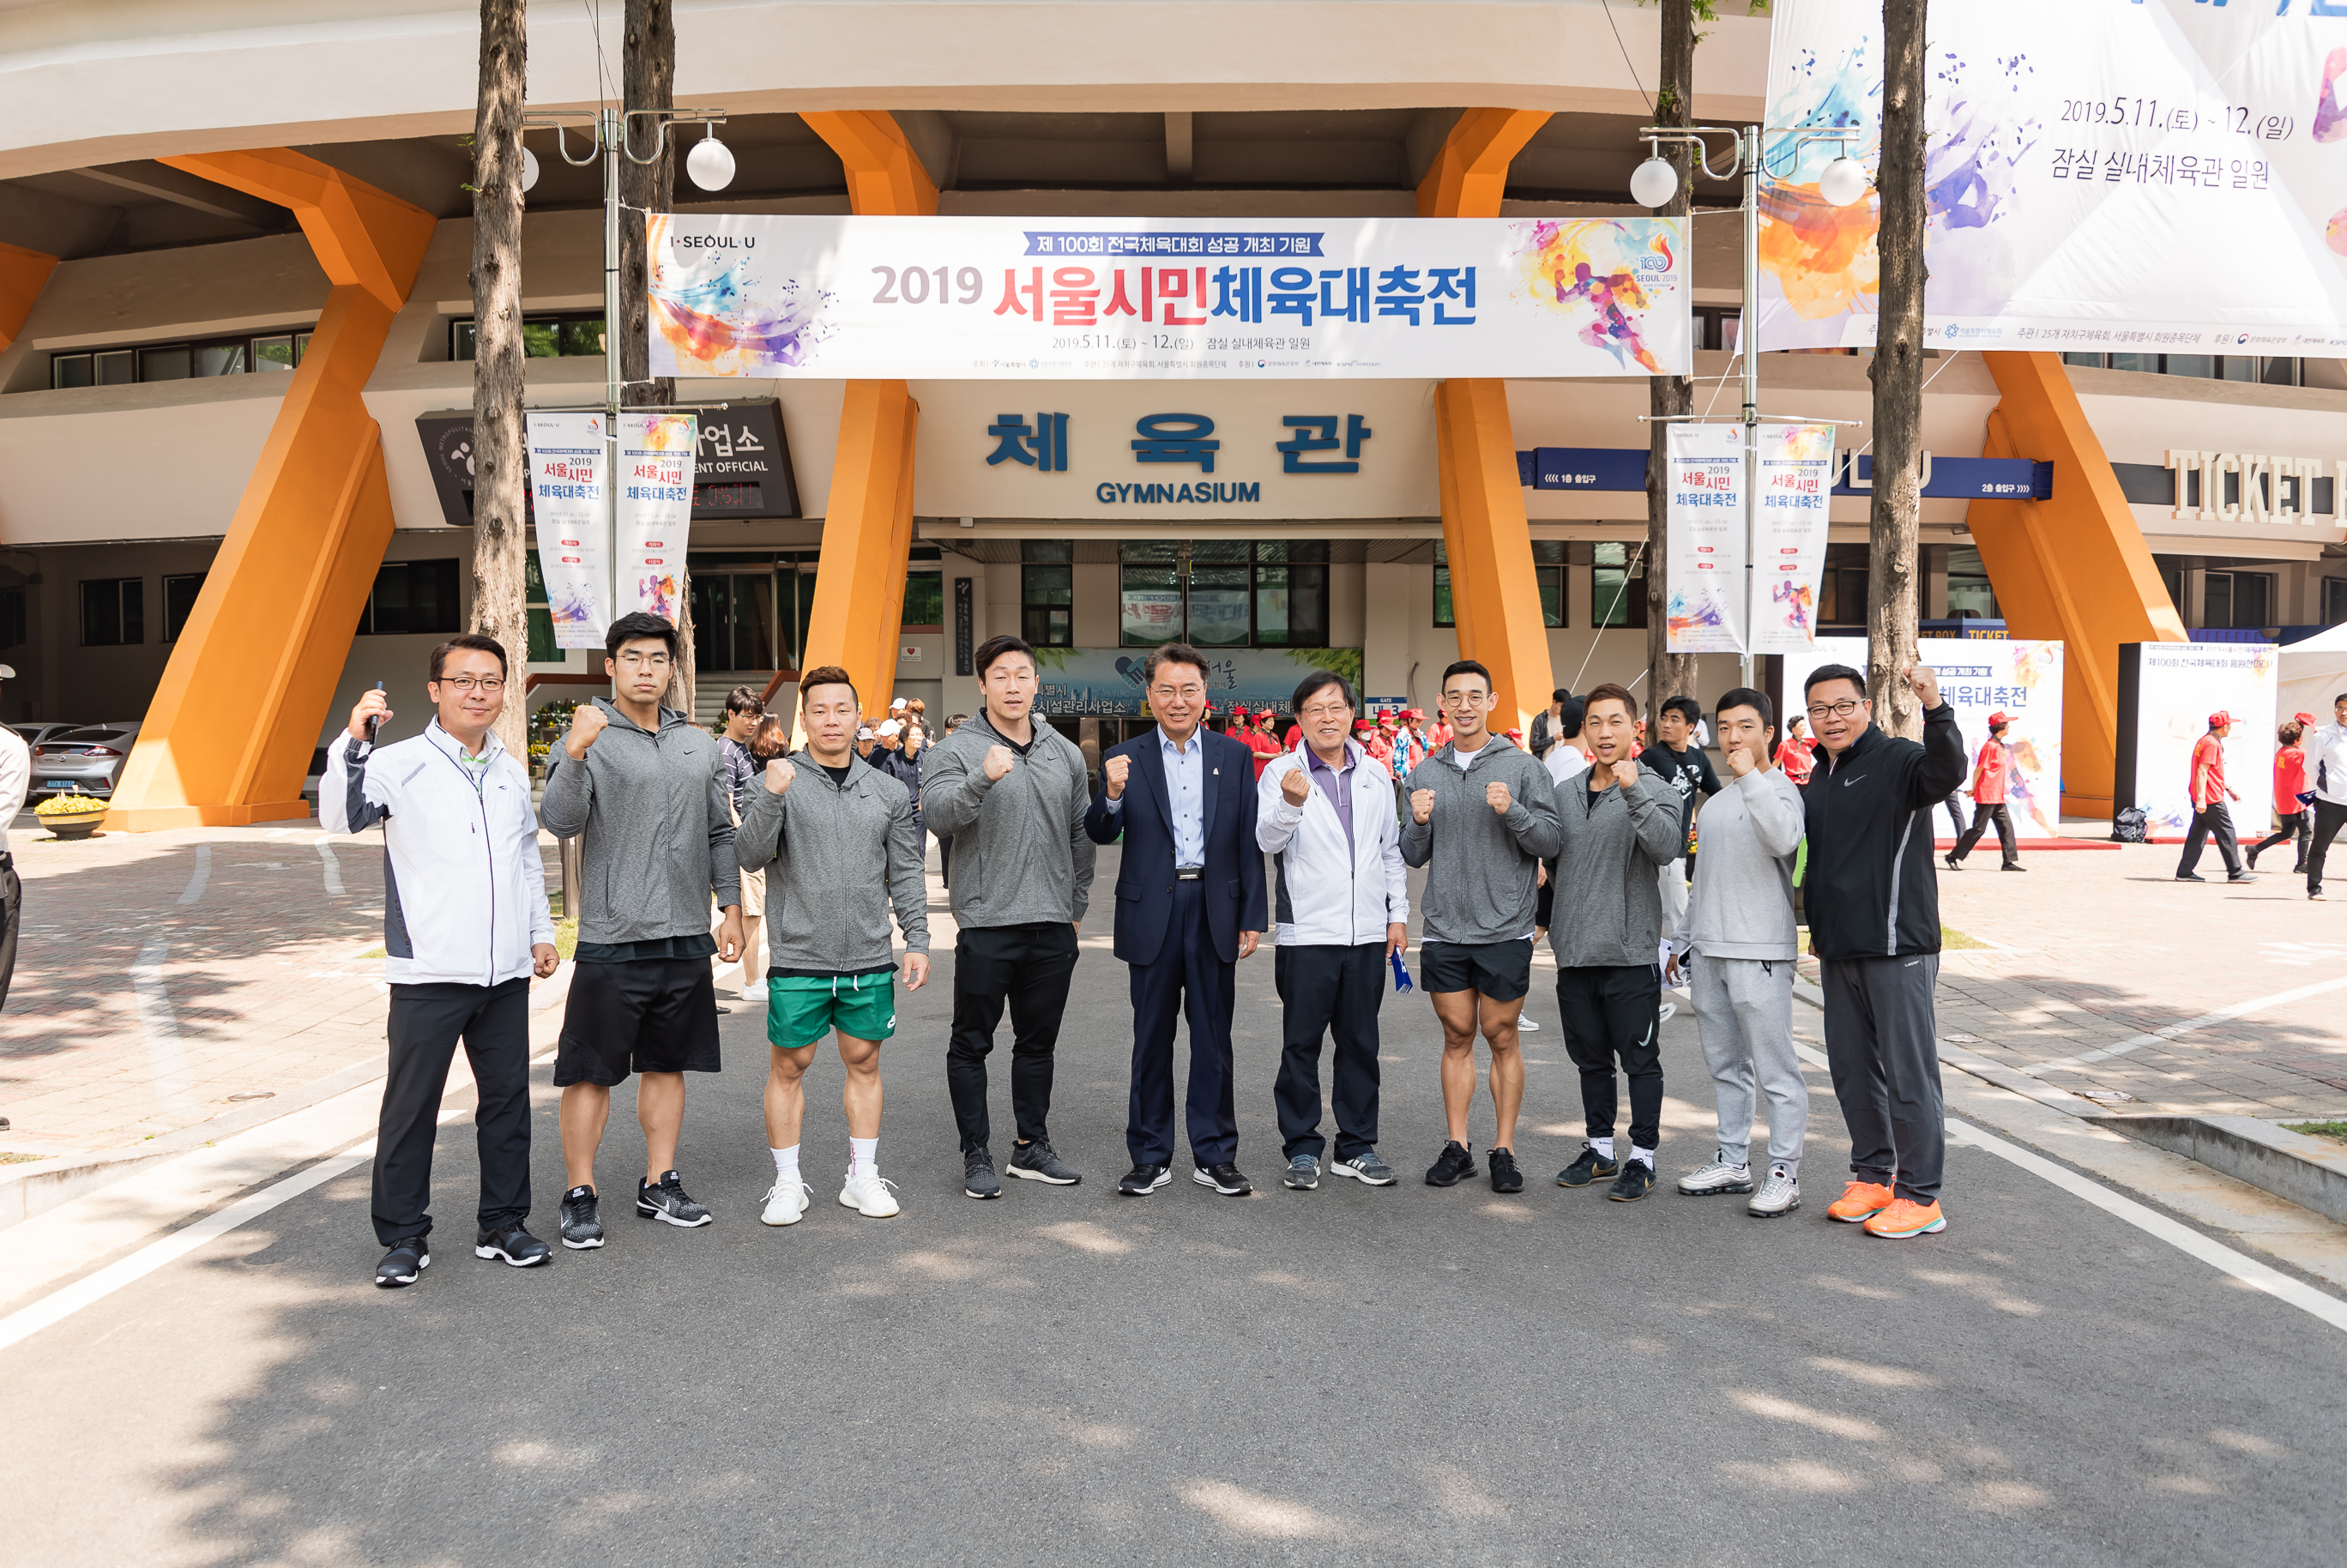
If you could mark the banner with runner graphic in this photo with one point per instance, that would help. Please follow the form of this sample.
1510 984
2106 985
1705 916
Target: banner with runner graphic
655 509
1789 535
570 500
1705 505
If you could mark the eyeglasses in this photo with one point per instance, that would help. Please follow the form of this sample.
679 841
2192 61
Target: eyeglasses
1841 709
1326 710
644 660
1466 698
466 684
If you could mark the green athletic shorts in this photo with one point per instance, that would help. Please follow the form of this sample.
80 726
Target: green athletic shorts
802 1008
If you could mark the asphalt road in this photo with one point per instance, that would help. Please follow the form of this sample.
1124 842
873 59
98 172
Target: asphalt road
1066 1376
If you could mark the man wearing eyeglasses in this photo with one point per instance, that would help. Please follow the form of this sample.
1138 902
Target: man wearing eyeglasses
1873 903
465 925
643 790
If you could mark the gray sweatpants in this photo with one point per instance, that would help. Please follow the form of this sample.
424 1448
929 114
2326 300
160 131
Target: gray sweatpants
1744 1010
1882 1042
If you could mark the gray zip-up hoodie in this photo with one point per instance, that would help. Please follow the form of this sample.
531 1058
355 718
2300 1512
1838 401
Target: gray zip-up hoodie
836 857
1608 910
1484 885
655 826
1741 907
1021 856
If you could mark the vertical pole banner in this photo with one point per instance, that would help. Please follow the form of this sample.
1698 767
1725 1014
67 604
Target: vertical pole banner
570 498
1706 519
1789 535
655 515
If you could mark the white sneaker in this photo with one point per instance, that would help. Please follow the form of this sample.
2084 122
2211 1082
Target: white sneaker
1719 1176
755 991
1779 1195
786 1202
1669 1011
1528 1025
866 1191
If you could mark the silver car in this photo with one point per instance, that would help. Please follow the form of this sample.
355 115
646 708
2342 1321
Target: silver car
88 759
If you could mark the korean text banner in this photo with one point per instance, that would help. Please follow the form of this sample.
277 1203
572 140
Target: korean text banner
572 507
2178 686
1078 681
2163 175
655 513
1013 299
1980 677
1789 535
1706 517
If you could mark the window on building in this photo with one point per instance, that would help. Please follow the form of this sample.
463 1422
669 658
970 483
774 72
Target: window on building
1046 593
2266 369
1617 585
1291 594
1223 593
543 336
1549 574
1218 609
2171 576
1717 326
179 603
1841 589
113 611
2334 600
411 597
1149 594
542 648
12 628
1970 596
2239 599
280 350
925 600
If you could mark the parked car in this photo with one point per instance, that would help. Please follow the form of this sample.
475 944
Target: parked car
36 730
89 758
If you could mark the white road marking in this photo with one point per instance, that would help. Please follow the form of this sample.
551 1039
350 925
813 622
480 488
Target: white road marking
166 1058
203 874
333 869
2222 1015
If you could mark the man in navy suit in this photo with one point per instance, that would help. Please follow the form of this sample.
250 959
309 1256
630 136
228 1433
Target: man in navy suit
1189 905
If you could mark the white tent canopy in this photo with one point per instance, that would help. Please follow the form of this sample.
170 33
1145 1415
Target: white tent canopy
2312 673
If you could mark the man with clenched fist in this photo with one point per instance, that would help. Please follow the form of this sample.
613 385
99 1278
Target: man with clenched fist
1009 791
1325 813
1481 815
642 788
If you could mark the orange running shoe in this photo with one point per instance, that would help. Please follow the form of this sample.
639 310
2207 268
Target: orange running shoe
1859 1201
1907 1217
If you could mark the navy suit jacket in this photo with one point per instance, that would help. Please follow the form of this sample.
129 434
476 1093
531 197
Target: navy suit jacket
1233 882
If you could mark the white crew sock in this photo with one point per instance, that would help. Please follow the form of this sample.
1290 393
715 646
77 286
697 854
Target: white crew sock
1604 1146
786 1163
863 1154
1644 1156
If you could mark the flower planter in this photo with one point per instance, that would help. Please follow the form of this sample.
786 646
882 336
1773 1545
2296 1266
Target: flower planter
74 824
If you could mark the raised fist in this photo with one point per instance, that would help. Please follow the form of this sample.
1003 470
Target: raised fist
1740 760
1496 797
999 762
1113 772
1295 787
587 722
1924 681
779 774
1625 772
373 705
1422 806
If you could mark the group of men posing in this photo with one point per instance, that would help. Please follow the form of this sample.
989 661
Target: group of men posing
644 790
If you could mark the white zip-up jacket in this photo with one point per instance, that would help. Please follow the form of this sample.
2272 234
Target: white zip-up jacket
463 890
2326 766
1325 895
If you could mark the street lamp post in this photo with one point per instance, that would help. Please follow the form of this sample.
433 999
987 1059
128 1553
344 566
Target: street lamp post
1655 183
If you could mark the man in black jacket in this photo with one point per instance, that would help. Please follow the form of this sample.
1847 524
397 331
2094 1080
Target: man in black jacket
1873 904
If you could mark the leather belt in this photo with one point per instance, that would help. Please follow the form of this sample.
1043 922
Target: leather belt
1188 872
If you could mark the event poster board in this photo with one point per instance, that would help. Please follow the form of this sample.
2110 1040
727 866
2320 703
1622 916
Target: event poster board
655 510
2167 692
572 503
1705 476
1980 676
1708 568
2165 175
1789 535
1021 298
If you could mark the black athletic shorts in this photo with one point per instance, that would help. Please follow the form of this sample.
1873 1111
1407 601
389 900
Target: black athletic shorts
1499 970
646 1015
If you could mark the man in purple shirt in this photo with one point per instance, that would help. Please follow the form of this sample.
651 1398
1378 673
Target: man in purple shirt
1324 812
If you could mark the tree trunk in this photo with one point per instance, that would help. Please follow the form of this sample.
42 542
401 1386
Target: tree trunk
500 454
1898 373
1668 674
649 82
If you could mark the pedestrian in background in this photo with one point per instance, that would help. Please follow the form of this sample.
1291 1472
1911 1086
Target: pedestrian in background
2290 795
2210 815
1546 731
1991 774
1565 761
2326 756
745 711
15 782
1680 763
1798 755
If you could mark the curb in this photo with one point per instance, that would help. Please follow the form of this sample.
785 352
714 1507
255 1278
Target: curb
2304 1171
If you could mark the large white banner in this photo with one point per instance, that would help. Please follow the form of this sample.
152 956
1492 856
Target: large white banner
572 506
2161 175
655 509
1789 535
1016 299
2178 686
1704 513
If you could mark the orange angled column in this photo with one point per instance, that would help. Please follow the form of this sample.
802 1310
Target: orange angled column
867 525
22 273
2075 567
228 738
1486 537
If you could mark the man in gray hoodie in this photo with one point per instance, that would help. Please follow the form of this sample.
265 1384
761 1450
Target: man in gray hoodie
1481 815
642 788
1010 792
1735 948
1618 823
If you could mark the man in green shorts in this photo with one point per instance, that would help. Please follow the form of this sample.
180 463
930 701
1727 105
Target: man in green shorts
835 838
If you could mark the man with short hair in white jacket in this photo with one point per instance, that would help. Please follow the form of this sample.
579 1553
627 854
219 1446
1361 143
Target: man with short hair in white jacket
2326 772
1324 812
465 927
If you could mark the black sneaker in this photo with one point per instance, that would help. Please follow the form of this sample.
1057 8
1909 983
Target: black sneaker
514 1245
1224 1178
402 1264
2243 877
668 1202
2191 876
1143 1179
1591 1166
1036 1162
1954 864
582 1219
1505 1177
1636 1179
978 1178
1458 1161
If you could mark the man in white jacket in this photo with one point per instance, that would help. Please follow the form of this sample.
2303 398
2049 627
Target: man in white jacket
465 925
2326 772
1735 947
1325 811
